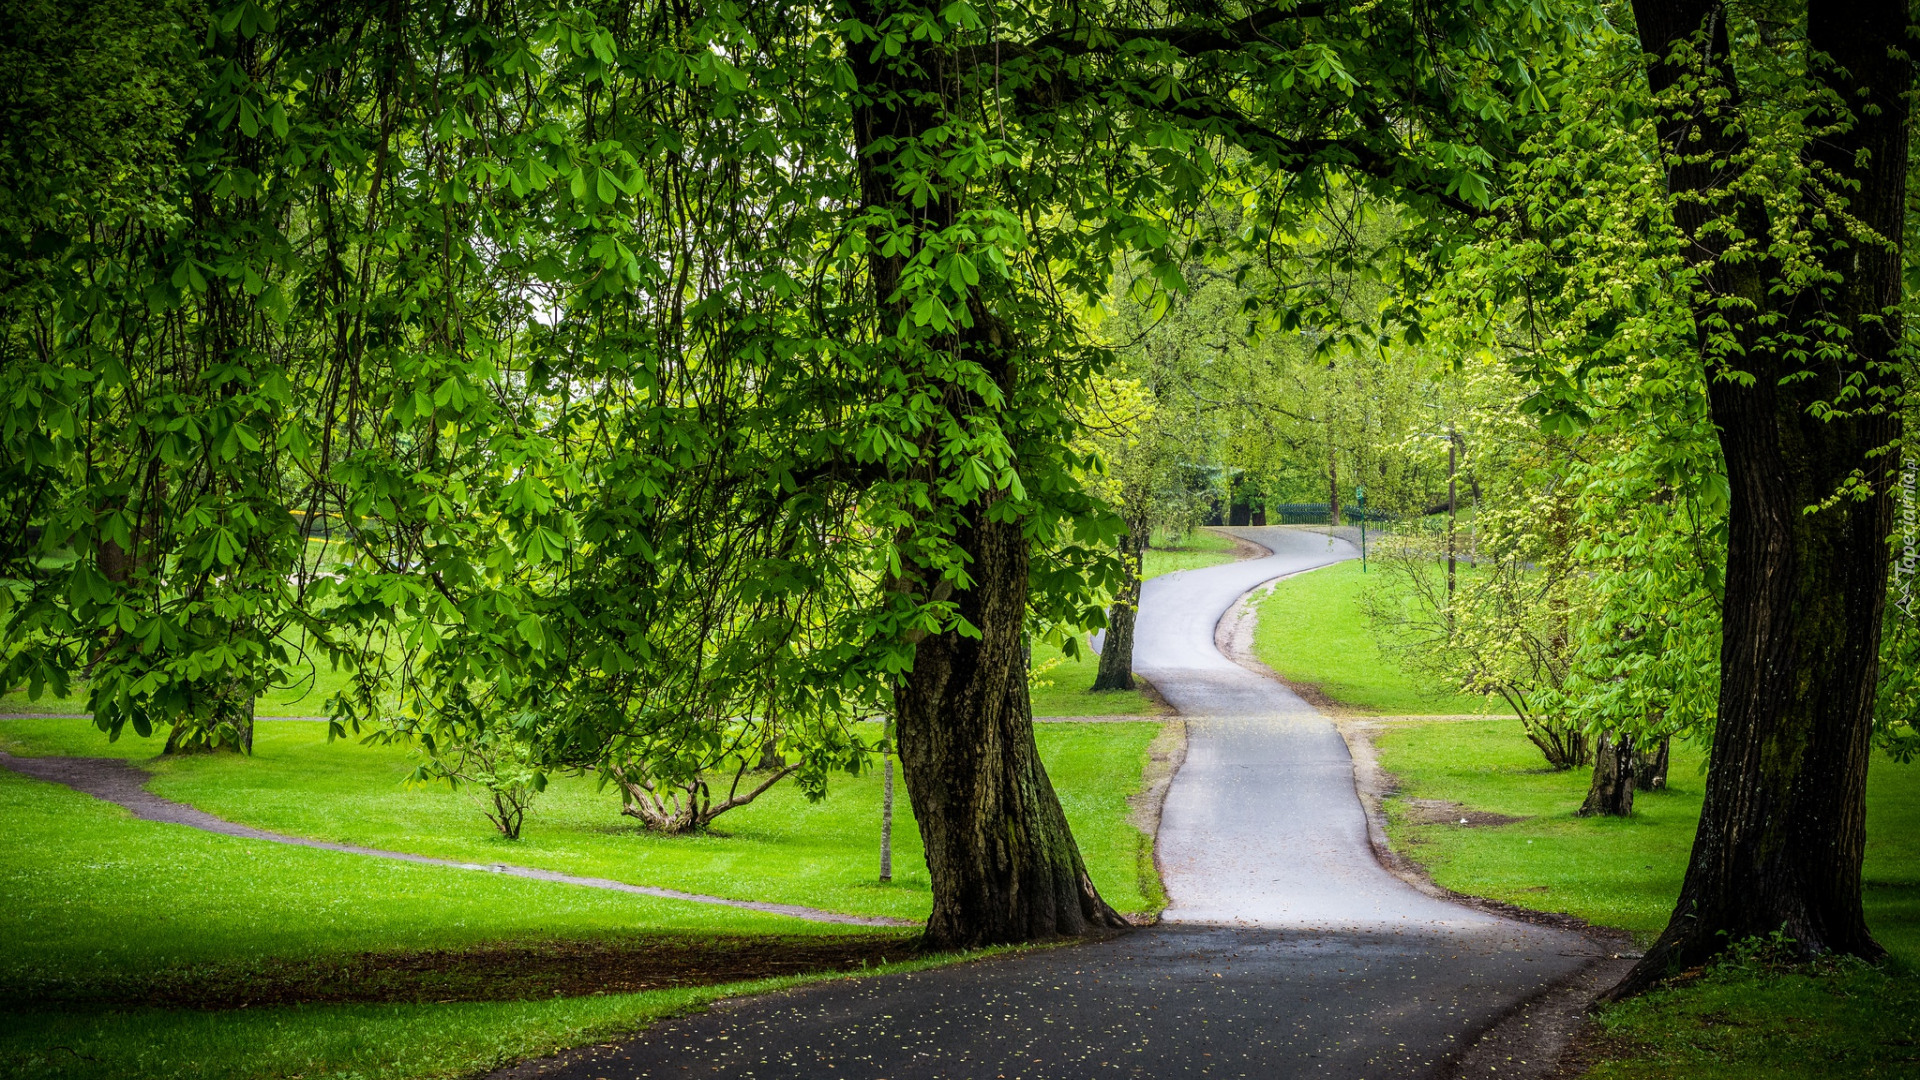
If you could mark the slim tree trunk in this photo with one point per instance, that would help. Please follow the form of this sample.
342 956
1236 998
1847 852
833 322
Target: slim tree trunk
1333 485
1116 652
1003 863
1782 828
1611 794
1453 512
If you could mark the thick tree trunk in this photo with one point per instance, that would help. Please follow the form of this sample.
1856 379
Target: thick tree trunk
1003 863
1782 828
1650 770
1611 793
1116 651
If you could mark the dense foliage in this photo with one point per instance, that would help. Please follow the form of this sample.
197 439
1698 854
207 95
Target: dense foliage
652 391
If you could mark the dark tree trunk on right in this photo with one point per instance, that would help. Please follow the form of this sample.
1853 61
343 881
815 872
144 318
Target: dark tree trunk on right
1782 828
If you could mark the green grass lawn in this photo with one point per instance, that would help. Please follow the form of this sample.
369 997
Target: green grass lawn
780 848
1173 552
90 896
1064 686
1062 689
89 893
1313 631
1742 1020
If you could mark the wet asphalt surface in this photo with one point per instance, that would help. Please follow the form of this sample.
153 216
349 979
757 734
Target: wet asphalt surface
1286 951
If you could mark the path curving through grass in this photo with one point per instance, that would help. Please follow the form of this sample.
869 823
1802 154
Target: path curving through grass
1287 951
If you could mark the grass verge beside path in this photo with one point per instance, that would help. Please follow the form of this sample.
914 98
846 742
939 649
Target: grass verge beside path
1312 631
780 848
1747 1018
88 893
92 899
1065 690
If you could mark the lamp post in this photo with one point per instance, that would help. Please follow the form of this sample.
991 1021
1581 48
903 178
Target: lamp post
1360 507
886 805
1453 511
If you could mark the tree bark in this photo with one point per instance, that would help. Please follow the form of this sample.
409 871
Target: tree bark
1116 651
1650 771
1611 793
1782 828
1003 864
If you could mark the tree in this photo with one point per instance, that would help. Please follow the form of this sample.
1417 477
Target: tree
1156 92
1780 224
1802 338
1504 623
1571 284
665 368
466 744
153 470
1140 468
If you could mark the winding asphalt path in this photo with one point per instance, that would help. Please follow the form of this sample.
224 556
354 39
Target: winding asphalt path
1262 827
1287 952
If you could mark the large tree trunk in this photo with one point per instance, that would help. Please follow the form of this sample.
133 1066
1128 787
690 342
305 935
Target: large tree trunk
1614 767
1116 650
1003 864
1782 829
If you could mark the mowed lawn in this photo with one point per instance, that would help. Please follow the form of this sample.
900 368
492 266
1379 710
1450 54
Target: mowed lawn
90 896
1752 1018
1757 1019
1313 631
780 848
1065 683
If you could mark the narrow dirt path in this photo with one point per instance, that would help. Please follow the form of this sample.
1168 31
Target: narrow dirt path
115 781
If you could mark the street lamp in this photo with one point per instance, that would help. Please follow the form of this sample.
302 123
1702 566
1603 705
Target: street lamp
1360 504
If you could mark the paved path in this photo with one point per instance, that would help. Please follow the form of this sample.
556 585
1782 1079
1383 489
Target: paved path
1287 951
115 781
1262 826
